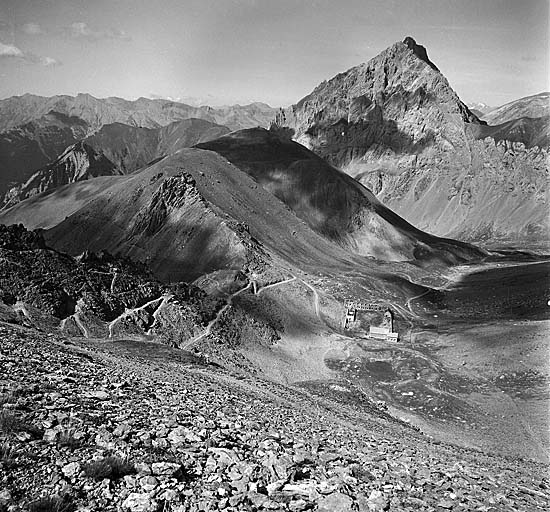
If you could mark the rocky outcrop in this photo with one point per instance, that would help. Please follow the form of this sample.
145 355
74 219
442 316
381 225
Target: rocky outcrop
95 294
395 123
78 162
173 193
396 104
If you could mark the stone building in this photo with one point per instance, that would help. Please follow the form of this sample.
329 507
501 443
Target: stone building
384 331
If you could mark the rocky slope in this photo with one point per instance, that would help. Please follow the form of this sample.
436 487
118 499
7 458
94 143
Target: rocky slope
537 105
125 426
396 125
78 162
92 295
143 112
31 146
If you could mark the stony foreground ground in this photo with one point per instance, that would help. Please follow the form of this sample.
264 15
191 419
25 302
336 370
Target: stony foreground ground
96 426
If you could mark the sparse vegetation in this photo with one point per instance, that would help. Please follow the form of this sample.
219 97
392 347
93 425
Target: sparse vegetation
9 422
53 504
8 454
5 398
110 467
67 439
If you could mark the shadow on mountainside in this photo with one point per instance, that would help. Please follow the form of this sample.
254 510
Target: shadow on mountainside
344 141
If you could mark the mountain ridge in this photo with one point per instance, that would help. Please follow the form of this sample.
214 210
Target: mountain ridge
121 148
534 106
143 112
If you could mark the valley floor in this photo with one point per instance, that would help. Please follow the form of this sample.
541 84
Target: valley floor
470 368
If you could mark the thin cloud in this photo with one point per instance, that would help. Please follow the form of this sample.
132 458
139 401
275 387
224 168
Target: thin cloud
32 29
81 30
10 51
49 61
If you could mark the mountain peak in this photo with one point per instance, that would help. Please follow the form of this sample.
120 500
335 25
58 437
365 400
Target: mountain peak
419 51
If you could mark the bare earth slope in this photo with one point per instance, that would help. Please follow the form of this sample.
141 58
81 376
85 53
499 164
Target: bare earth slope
537 105
396 125
186 214
329 201
133 147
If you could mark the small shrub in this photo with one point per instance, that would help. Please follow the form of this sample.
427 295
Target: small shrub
110 467
9 422
53 504
6 398
8 455
67 438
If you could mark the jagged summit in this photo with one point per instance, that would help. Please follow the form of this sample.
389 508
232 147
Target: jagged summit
419 51
396 124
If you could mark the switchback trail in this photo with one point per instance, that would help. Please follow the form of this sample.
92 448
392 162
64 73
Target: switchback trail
128 312
212 322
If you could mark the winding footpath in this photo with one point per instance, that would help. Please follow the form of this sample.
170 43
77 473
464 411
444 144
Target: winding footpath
258 291
315 298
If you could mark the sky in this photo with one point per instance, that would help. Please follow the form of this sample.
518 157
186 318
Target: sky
274 51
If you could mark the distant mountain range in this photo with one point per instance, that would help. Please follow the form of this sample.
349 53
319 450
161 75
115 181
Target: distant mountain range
35 130
114 149
397 126
143 112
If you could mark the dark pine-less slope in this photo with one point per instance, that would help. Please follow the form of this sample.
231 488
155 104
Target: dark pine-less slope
33 145
77 163
396 125
115 149
333 204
